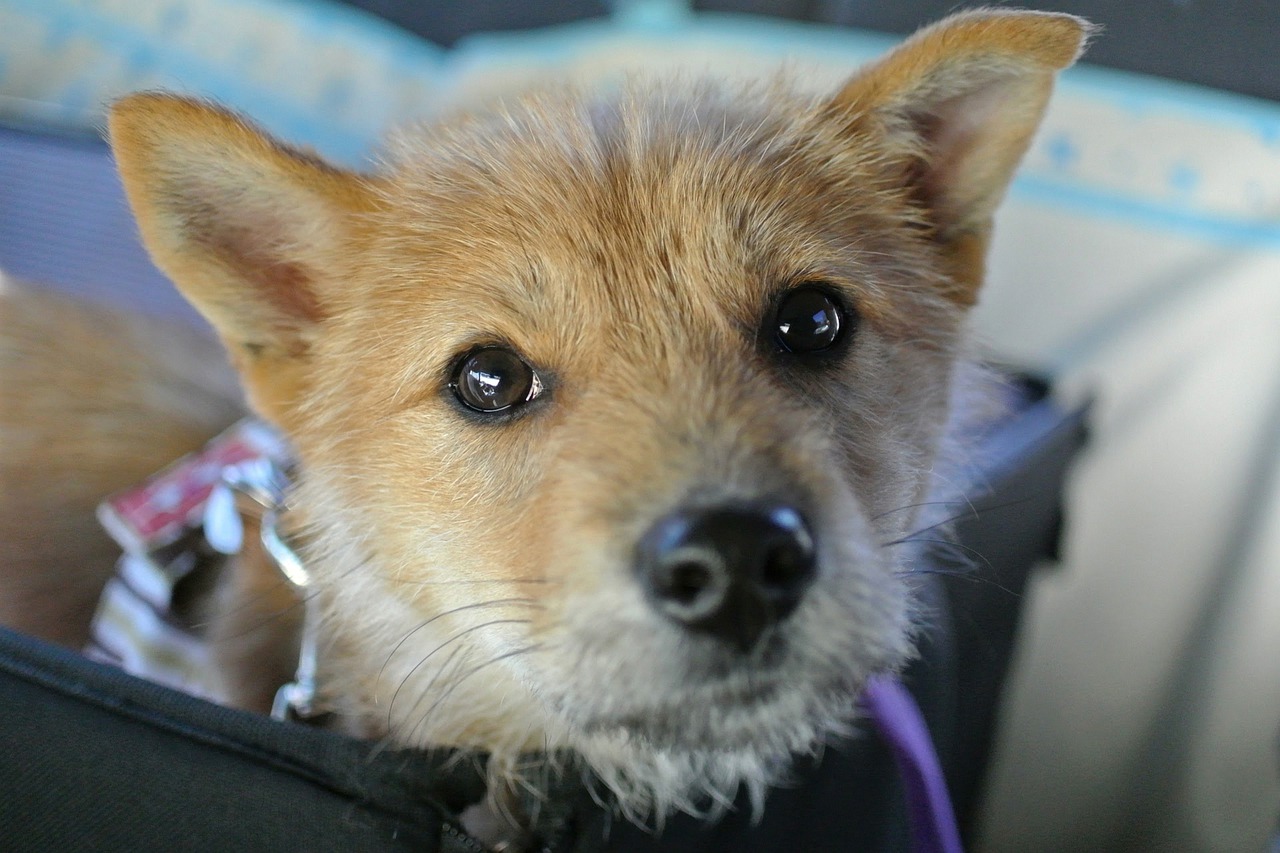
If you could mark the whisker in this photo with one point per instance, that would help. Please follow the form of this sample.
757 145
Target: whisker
960 575
453 654
474 606
297 603
447 642
920 505
973 512
475 669
971 552
474 581
268 617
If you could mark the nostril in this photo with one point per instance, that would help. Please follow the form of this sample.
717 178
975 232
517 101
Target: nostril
786 567
687 584
789 561
688 581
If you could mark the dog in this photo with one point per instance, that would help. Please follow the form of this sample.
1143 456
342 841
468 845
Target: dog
605 403
95 399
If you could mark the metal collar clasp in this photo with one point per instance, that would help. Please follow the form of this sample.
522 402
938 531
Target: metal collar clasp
257 488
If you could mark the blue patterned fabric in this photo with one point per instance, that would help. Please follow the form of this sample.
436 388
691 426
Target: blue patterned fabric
315 72
1116 145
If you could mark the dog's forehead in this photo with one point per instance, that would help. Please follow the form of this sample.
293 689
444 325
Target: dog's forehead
639 209
582 171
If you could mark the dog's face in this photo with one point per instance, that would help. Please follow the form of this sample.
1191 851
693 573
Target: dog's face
608 405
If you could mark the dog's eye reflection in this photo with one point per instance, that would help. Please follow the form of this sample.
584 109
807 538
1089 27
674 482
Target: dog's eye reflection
808 320
494 379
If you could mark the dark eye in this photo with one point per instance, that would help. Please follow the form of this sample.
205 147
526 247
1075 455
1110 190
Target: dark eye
493 379
809 319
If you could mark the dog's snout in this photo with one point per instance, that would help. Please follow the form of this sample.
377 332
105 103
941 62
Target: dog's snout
729 571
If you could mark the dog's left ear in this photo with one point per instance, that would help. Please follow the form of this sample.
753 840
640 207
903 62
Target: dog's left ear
954 108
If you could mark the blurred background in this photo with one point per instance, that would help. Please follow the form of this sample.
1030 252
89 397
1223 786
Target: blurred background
1137 262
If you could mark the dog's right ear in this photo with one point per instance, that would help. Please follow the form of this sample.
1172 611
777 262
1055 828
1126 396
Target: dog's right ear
247 229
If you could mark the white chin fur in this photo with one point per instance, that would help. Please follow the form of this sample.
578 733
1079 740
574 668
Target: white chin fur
856 623
646 784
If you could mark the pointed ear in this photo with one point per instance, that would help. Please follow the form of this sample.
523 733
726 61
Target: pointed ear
246 228
956 106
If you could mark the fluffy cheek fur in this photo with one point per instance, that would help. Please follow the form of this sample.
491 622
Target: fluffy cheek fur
487 596
424 612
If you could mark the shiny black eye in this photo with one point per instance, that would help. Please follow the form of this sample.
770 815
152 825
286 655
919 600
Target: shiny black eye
809 320
493 379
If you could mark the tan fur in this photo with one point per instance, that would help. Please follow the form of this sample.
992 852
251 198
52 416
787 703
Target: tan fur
91 400
474 577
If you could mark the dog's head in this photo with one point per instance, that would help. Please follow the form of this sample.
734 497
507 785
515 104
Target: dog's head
607 404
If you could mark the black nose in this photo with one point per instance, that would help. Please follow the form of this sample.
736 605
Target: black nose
729 571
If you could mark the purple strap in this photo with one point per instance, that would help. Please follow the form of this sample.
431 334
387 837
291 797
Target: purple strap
897 717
